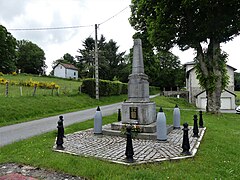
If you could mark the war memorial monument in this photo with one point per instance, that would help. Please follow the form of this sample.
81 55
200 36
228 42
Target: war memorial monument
155 142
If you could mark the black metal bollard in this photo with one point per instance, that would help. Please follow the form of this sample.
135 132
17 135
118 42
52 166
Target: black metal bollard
185 144
119 115
195 126
129 148
60 134
200 120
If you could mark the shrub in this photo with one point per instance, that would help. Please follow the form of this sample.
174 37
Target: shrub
154 90
106 88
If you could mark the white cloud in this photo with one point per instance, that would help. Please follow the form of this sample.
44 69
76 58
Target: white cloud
59 13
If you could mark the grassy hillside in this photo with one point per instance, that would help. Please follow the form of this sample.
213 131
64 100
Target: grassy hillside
66 86
16 108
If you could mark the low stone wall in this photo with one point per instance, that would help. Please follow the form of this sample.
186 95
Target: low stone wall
182 94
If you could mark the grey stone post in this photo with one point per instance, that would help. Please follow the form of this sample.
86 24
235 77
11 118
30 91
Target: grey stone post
176 117
98 121
161 126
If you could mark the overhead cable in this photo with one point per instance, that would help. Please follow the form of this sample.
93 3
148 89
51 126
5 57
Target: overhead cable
65 27
48 28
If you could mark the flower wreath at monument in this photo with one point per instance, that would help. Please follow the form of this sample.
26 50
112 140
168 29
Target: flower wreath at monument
135 129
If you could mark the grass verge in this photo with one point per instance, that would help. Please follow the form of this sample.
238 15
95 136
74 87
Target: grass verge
217 158
20 109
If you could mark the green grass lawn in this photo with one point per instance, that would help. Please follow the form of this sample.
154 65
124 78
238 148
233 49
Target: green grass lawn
217 158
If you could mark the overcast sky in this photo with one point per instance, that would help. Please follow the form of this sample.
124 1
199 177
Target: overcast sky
112 15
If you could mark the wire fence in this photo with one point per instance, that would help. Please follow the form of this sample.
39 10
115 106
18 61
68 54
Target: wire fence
17 91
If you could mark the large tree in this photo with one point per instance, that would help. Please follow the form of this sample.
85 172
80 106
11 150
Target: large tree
30 57
170 73
112 64
237 81
163 68
111 61
67 58
7 51
86 58
191 24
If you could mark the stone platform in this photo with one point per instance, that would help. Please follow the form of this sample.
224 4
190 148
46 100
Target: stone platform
147 131
112 148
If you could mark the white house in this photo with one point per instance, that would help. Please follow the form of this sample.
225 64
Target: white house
197 95
64 70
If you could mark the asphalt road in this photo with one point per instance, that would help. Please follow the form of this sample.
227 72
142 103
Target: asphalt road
17 132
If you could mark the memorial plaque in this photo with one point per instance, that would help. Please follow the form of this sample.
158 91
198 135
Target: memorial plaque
133 113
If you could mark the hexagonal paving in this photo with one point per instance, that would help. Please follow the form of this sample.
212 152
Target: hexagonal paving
112 148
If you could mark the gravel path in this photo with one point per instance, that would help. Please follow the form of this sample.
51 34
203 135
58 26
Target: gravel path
12 171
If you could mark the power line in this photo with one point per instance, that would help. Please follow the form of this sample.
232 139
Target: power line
66 27
114 15
48 28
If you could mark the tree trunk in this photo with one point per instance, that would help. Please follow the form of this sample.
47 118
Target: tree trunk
214 96
212 75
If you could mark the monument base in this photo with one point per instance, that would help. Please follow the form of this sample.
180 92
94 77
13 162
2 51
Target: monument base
148 131
142 113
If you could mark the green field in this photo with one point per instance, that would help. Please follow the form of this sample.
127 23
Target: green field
217 158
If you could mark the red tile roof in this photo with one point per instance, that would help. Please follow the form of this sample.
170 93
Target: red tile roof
68 66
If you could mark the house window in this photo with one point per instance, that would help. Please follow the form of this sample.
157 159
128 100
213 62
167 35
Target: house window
74 73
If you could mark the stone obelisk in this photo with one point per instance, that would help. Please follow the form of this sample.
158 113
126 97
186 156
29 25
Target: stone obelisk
138 108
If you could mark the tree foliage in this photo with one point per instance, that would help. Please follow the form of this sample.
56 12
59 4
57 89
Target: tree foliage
30 57
189 24
163 68
67 58
86 58
171 72
237 81
7 51
112 63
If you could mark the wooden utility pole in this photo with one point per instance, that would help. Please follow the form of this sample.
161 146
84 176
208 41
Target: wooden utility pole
96 63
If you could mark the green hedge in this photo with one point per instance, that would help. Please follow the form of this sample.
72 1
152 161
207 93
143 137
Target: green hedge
109 88
154 90
106 88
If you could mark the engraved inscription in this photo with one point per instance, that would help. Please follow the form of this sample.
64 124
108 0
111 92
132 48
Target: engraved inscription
133 112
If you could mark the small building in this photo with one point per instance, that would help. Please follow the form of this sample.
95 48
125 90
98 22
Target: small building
64 70
197 95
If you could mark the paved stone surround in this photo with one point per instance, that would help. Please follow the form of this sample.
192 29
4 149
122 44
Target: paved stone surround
112 148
